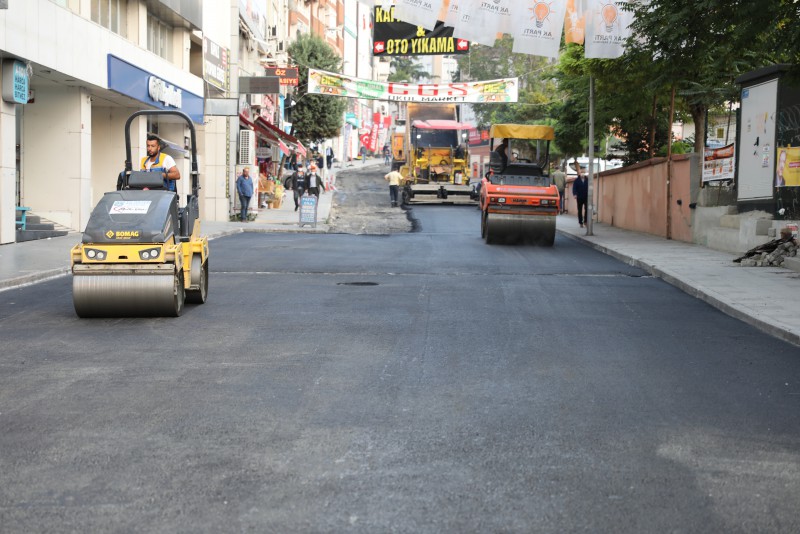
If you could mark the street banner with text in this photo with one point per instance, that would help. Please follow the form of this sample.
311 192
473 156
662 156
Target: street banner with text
418 12
500 91
607 28
482 22
391 37
538 27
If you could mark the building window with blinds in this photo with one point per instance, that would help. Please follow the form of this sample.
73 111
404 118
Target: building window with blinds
111 14
159 37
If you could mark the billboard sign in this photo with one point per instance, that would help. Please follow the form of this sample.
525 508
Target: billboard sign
392 37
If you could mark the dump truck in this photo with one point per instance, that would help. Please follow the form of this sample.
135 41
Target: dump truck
518 201
436 167
141 254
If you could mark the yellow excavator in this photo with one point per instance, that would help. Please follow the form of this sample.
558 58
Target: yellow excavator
141 254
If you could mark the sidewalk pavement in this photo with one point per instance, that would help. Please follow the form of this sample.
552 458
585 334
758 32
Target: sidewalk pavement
32 261
765 297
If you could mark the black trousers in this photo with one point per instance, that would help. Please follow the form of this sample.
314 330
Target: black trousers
393 190
582 210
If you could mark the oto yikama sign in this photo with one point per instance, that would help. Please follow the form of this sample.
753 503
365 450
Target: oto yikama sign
391 37
499 91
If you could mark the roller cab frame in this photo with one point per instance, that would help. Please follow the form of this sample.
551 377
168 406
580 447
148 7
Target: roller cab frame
519 202
142 254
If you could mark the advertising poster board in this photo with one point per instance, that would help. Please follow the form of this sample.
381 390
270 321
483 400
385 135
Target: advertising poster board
756 174
718 163
308 210
787 167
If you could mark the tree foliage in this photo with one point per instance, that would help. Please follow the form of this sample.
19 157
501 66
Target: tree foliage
315 117
536 85
698 47
406 69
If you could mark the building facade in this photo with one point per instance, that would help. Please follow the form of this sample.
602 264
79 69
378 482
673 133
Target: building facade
86 65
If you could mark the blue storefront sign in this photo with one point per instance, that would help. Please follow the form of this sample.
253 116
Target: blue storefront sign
148 88
15 81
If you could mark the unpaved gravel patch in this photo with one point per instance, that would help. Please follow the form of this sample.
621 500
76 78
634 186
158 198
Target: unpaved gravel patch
361 204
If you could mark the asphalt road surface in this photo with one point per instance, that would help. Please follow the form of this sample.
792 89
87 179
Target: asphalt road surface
416 382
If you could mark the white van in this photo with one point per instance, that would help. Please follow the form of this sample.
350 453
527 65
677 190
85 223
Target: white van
600 165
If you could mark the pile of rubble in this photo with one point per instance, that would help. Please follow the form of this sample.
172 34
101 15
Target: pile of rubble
771 253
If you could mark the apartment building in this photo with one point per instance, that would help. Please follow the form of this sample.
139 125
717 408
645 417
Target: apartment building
81 67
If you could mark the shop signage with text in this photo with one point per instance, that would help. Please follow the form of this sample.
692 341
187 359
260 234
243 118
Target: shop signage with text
286 75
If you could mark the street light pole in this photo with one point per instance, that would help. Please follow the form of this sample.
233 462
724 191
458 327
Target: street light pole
589 199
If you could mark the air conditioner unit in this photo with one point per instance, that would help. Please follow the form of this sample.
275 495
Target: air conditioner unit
247 147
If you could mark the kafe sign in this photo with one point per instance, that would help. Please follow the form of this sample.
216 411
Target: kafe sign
161 91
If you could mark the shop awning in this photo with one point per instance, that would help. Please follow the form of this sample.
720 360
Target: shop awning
277 132
260 130
440 124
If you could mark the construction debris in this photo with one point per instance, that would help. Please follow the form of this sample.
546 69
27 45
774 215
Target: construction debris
771 253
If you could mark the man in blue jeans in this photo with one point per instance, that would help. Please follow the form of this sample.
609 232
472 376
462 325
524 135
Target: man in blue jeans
580 190
244 186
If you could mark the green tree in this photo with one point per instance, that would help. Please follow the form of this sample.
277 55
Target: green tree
701 47
315 117
536 87
406 69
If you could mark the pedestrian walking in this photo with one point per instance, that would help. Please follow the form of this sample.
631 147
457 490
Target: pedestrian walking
580 190
560 181
314 181
297 183
329 157
387 159
244 186
363 155
395 180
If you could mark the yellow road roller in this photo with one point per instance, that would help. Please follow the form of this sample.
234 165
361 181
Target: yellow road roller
142 255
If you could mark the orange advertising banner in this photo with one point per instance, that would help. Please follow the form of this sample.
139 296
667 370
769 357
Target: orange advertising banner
574 23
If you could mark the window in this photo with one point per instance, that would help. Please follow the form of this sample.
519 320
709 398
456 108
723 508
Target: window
111 14
159 37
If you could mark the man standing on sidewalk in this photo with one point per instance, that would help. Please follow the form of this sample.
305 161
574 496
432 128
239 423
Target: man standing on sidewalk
580 190
560 181
395 179
244 186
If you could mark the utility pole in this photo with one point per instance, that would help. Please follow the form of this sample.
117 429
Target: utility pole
669 164
589 199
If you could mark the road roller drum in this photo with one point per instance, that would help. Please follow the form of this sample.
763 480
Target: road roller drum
141 254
